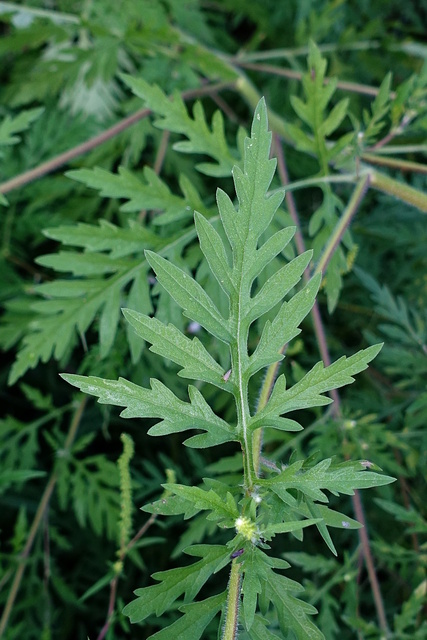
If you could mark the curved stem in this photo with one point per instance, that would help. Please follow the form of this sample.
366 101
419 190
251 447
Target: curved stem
44 502
289 198
63 158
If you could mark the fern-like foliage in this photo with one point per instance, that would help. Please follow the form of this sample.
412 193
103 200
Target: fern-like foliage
260 508
110 264
173 116
10 127
318 135
313 112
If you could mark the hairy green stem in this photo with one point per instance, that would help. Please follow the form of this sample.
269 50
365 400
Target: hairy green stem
393 163
233 603
43 505
240 358
400 190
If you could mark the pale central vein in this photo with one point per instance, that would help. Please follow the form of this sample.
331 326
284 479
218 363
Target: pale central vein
241 385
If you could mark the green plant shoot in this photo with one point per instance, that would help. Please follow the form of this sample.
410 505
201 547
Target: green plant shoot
260 599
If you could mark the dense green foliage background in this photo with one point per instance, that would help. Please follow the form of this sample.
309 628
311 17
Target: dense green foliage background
72 256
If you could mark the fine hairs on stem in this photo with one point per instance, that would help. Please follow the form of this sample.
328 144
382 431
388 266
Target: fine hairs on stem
230 629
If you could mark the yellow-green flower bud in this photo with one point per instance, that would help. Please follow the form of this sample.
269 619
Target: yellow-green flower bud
247 528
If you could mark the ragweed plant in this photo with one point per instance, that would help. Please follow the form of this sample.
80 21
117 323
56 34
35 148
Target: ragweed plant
259 600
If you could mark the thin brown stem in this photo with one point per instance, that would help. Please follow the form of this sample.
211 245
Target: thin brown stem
111 607
353 87
161 152
63 158
299 241
405 496
44 503
115 581
158 162
396 131
25 267
151 520
369 562
226 109
356 498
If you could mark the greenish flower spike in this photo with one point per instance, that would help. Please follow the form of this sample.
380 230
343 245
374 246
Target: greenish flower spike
125 525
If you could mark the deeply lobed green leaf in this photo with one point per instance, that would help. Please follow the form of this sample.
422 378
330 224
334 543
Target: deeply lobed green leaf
159 402
308 392
342 478
238 261
185 581
173 116
196 618
260 579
